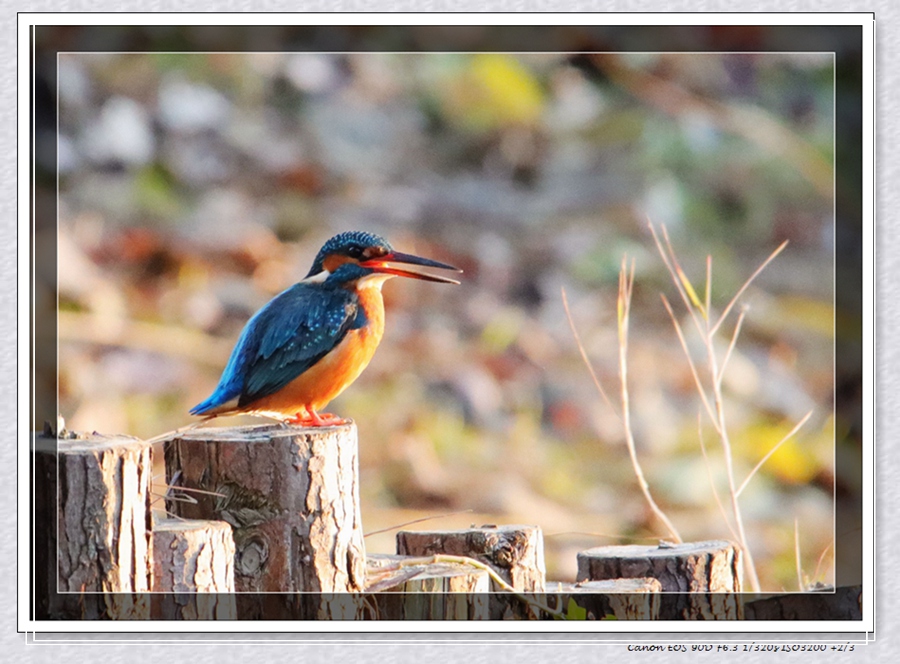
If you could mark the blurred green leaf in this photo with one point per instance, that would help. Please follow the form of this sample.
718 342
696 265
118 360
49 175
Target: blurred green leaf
575 612
155 192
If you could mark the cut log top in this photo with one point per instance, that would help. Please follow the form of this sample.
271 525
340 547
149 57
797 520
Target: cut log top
640 551
260 433
503 545
264 468
90 443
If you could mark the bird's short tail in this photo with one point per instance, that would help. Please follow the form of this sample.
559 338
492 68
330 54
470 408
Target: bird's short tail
216 404
202 407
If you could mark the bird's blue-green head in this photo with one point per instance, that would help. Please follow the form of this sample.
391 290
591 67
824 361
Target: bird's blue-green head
371 254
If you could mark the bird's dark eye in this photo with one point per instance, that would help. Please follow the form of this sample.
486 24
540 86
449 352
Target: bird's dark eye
355 251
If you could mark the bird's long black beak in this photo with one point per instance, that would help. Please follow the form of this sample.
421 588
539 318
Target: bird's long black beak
391 264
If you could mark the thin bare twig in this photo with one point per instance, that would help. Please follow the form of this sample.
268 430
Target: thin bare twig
409 523
709 283
169 435
800 583
772 451
584 356
712 483
747 283
173 489
471 562
176 498
731 345
192 490
672 266
821 558
626 285
729 465
689 295
700 389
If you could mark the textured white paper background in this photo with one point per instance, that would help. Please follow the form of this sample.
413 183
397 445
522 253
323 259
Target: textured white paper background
363 647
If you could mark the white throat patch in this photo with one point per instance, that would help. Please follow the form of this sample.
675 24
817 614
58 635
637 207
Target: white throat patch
317 278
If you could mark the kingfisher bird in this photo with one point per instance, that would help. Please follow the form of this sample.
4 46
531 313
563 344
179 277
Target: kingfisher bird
311 341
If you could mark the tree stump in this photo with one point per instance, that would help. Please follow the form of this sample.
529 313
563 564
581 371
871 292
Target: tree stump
93 530
515 552
426 591
625 599
193 570
710 571
291 494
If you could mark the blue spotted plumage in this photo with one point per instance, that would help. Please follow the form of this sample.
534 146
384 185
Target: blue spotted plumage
351 243
312 340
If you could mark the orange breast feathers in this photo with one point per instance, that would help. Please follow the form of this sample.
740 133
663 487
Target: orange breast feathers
331 375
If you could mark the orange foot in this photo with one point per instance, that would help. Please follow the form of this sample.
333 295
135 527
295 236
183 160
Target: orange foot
314 419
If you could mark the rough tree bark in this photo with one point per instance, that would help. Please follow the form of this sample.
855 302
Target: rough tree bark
92 498
701 579
291 495
193 569
515 552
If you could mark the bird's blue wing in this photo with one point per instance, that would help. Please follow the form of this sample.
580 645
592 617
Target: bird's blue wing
282 340
295 331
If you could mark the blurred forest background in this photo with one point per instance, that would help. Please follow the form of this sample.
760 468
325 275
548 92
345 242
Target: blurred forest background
194 187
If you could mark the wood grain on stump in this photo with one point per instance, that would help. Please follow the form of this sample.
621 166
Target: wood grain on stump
426 591
193 568
515 552
710 571
93 536
291 494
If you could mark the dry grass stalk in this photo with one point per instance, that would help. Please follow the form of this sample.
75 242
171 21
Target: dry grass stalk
714 404
711 397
